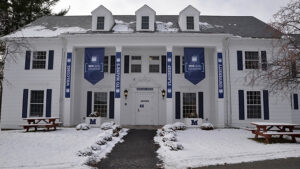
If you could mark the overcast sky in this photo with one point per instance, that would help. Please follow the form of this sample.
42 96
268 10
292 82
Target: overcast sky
262 9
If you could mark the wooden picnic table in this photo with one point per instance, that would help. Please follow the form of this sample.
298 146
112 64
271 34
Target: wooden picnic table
41 122
268 129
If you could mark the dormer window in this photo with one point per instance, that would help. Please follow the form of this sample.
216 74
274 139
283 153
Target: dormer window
100 23
145 22
190 22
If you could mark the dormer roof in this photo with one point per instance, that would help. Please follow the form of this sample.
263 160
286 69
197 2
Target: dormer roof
145 8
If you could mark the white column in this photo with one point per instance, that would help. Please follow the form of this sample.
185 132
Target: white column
219 87
68 63
169 100
118 63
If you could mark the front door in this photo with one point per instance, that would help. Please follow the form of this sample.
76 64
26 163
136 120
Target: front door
145 108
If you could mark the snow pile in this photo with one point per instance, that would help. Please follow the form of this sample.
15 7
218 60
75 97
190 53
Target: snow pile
167 136
205 26
207 126
122 27
220 146
83 126
111 135
42 31
165 27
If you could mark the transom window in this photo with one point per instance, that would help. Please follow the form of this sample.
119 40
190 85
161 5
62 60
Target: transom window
39 60
189 105
154 64
100 22
136 64
251 60
253 105
100 103
37 103
189 22
145 22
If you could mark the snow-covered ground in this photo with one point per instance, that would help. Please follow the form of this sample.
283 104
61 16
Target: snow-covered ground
203 148
55 149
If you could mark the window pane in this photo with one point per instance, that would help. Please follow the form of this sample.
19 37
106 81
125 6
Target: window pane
136 68
154 68
39 60
100 22
37 103
190 22
253 105
189 105
251 60
145 22
100 103
136 58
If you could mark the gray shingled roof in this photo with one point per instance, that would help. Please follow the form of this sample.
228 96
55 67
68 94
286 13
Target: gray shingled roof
244 26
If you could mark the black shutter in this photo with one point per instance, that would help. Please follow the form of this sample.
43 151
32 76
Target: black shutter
25 103
163 64
177 64
264 62
266 104
50 59
241 105
48 102
200 104
89 103
239 60
177 104
126 64
111 105
27 60
112 64
295 96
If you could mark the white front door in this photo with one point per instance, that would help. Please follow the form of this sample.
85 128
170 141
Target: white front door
145 110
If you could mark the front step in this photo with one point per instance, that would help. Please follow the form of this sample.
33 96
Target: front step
148 127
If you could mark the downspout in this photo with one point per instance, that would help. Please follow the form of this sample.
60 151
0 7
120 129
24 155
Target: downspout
62 77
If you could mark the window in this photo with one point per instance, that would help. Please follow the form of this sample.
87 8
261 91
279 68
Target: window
145 22
253 105
182 64
100 103
189 22
112 63
100 23
153 64
105 64
37 103
136 64
251 60
39 60
189 105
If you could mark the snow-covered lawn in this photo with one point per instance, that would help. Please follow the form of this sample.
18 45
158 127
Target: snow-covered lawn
219 146
54 149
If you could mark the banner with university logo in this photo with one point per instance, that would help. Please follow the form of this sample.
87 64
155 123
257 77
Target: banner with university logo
93 64
194 64
220 76
68 75
118 75
169 74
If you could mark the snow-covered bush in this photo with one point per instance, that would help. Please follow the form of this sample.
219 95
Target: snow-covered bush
95 114
174 146
92 160
85 152
179 126
169 137
107 125
207 126
95 147
101 142
83 126
107 137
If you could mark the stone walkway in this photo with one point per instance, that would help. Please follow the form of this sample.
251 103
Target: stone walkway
137 151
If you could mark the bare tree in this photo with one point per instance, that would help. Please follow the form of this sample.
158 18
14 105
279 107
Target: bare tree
283 70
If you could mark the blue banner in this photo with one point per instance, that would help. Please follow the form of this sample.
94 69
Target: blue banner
118 75
68 75
194 64
169 74
93 64
220 76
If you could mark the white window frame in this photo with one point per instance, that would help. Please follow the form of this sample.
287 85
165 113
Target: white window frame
136 62
32 59
29 103
187 23
103 22
154 62
259 60
261 104
107 102
148 27
181 103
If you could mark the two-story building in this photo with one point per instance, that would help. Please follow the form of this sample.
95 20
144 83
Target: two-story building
143 69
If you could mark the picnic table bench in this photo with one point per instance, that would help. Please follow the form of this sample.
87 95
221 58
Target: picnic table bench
41 122
268 129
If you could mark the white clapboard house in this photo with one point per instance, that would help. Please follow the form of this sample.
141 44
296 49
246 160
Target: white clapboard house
142 69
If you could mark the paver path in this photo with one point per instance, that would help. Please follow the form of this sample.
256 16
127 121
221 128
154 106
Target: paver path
137 151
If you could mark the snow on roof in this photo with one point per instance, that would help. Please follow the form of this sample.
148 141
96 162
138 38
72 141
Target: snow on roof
165 27
42 31
122 27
